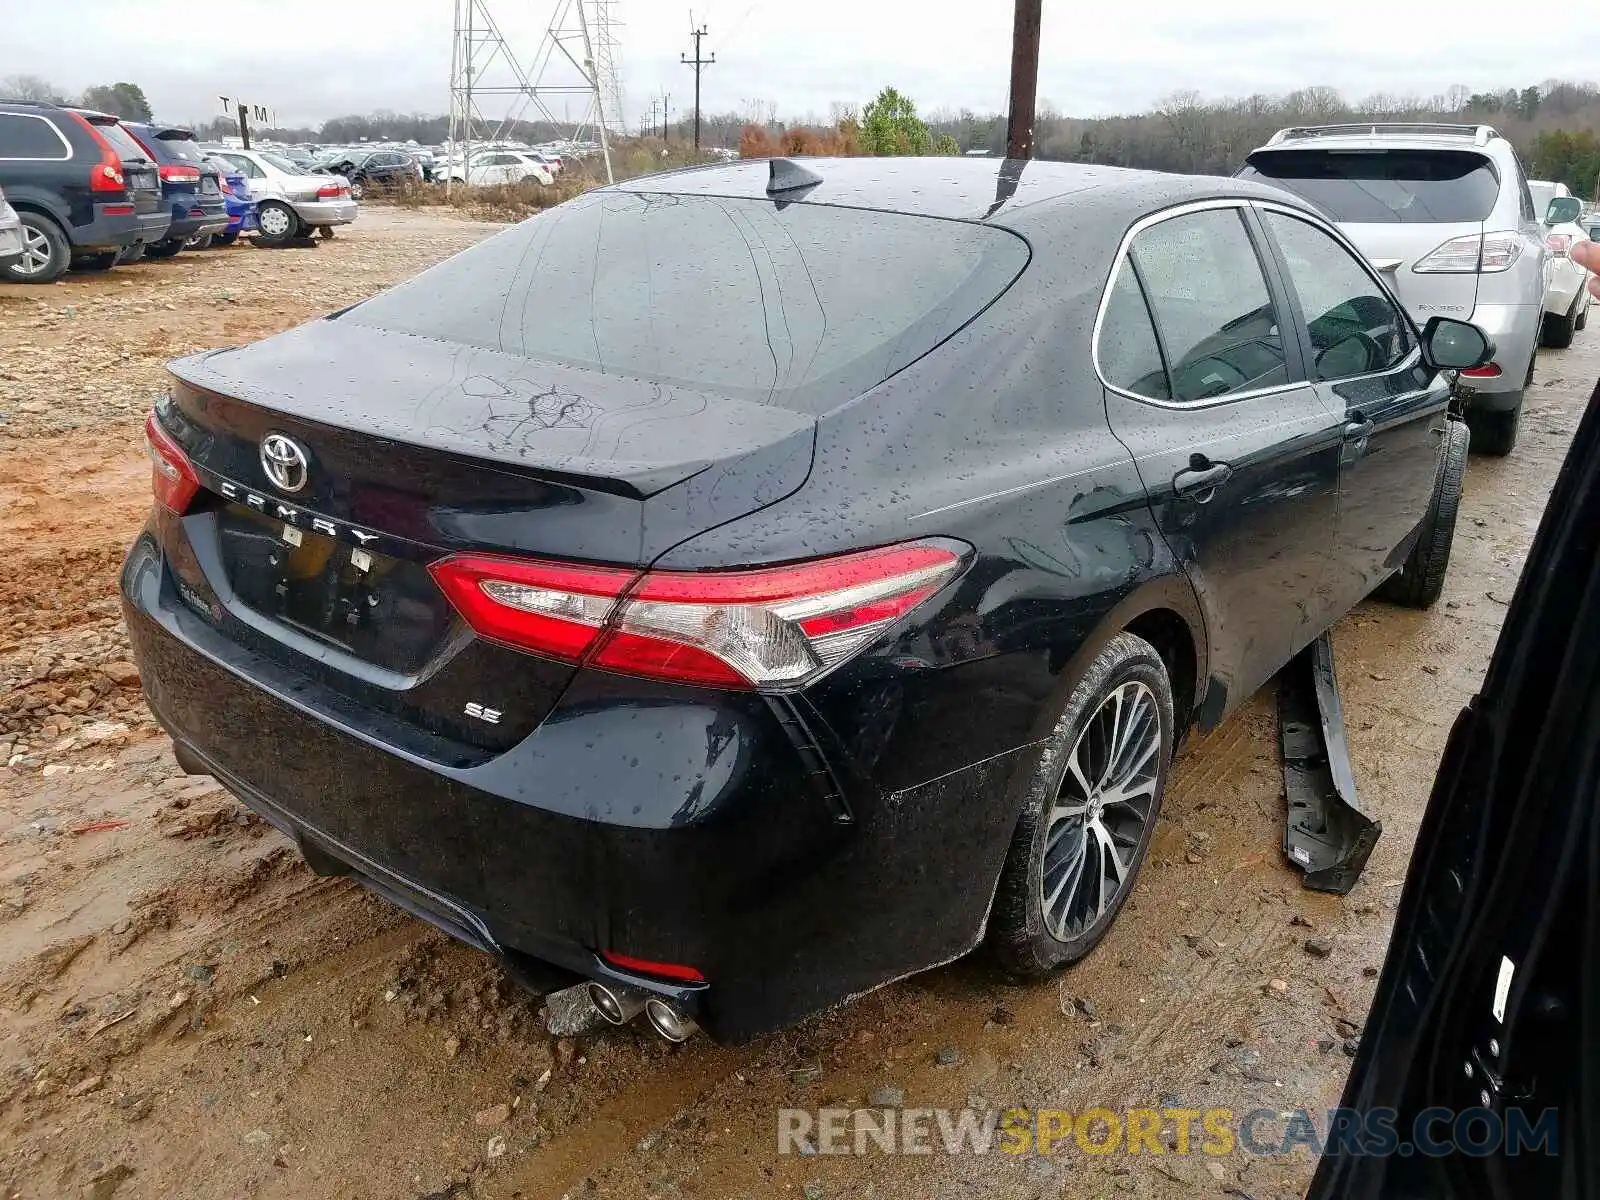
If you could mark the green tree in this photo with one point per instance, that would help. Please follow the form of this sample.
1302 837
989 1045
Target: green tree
125 100
890 126
1529 103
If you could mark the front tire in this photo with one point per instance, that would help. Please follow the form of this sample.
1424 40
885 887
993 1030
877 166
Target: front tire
1421 578
45 253
1090 812
278 223
358 188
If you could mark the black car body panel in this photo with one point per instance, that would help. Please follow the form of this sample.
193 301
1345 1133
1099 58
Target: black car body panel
197 206
803 844
46 158
1485 1007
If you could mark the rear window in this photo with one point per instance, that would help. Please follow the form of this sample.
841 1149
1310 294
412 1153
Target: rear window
283 164
121 140
179 147
800 306
1384 186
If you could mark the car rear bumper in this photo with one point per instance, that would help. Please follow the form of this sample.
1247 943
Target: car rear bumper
152 227
671 824
1514 329
327 212
191 227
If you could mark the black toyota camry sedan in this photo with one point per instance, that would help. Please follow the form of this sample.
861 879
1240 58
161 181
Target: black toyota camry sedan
746 586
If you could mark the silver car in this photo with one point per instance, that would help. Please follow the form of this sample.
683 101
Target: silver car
11 239
1444 211
290 201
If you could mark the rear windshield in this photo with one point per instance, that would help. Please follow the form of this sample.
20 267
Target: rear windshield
180 147
800 306
121 141
1384 186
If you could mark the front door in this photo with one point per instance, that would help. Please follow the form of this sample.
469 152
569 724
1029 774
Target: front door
1238 456
1367 367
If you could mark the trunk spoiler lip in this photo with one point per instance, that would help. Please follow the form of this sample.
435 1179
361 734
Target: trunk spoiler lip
637 482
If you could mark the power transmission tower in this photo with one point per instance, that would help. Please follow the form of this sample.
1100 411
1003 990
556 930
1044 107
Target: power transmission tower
1024 78
698 64
567 63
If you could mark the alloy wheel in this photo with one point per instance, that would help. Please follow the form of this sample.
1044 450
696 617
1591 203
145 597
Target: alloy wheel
35 252
1107 794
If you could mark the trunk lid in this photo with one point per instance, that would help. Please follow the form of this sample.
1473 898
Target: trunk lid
1395 249
413 449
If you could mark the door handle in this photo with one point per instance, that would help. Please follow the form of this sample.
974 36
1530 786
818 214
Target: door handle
1357 428
1203 476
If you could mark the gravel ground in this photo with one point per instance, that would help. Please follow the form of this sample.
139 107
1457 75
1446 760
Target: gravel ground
186 1011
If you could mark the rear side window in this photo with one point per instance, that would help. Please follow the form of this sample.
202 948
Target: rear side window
802 306
121 141
1213 312
1355 328
30 137
1384 186
1129 356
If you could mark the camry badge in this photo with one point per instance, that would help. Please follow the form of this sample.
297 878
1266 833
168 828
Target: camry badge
285 462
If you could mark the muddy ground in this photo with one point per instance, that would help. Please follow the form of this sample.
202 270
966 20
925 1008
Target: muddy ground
185 1010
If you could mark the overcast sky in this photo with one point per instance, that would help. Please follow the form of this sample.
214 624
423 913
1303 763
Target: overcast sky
313 59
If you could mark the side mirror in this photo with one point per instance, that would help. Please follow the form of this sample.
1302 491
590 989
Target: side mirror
1562 210
1451 345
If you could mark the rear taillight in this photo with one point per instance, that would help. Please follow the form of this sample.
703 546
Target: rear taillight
773 627
105 175
1559 243
332 191
173 173
172 476
1471 253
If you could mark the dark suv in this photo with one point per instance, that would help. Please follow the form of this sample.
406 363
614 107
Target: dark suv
369 170
190 185
63 170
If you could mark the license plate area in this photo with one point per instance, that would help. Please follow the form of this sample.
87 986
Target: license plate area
382 609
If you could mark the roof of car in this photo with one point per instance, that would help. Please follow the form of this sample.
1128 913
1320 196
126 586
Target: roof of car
960 188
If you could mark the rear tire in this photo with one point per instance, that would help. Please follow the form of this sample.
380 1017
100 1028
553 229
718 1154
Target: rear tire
1494 433
96 262
45 252
1583 316
1421 577
1114 738
279 224
131 255
1556 332
165 248
203 242
227 239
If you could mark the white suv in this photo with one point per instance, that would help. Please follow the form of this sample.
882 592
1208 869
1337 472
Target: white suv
1444 212
1566 296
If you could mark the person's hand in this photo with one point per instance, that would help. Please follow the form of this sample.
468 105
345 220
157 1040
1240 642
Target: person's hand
1587 254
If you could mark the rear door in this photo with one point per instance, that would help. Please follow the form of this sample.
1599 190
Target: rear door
1417 214
1364 360
1239 458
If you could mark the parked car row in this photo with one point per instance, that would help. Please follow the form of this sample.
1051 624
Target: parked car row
88 190
1448 216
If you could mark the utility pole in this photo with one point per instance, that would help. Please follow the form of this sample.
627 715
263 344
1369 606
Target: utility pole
655 104
1024 78
243 113
666 105
698 64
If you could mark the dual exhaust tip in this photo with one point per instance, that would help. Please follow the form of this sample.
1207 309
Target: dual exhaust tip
619 1004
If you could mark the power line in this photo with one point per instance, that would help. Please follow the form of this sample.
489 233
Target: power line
699 64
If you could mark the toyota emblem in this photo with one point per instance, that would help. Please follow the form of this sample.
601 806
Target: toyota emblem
287 465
